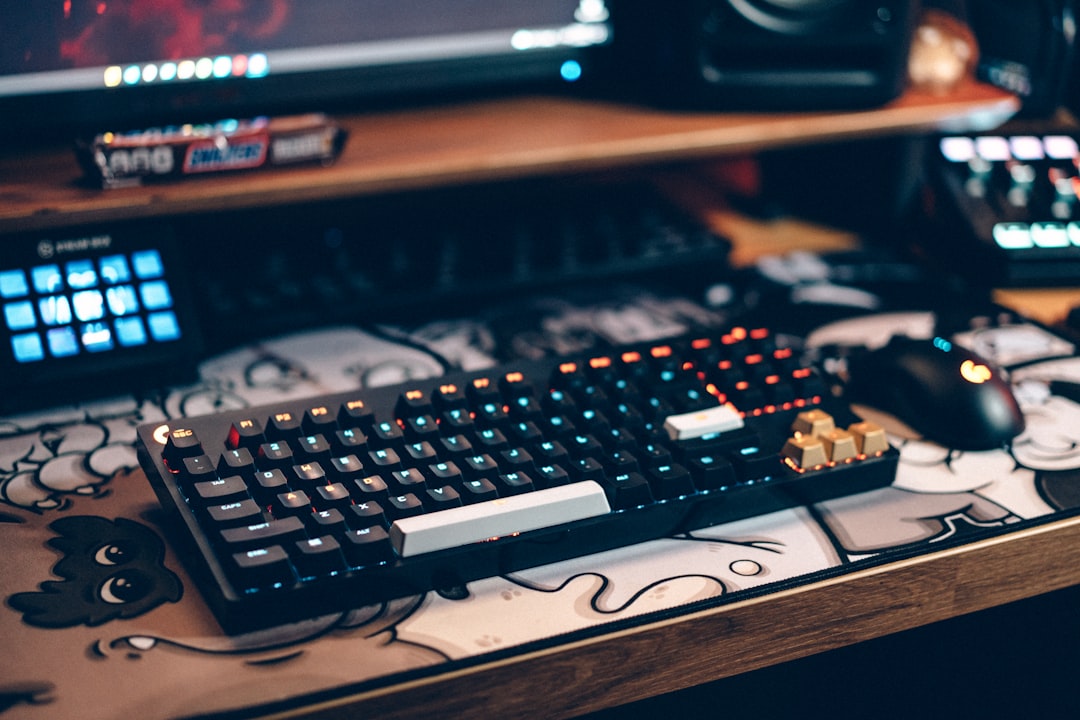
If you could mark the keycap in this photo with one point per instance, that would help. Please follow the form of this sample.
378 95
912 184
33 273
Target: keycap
181 443
318 556
806 451
669 481
366 514
504 516
242 512
263 566
195 468
245 433
263 534
869 437
236 462
220 490
366 546
698 423
631 489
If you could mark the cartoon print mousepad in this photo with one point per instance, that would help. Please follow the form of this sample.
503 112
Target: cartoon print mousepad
102 621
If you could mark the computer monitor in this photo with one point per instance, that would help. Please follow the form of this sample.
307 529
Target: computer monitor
97 65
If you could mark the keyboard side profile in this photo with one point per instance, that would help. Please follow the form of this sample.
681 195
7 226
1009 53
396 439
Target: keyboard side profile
292 511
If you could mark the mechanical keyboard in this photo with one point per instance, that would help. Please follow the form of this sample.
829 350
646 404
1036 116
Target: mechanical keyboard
391 257
310 507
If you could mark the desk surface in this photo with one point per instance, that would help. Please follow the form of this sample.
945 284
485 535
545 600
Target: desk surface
955 534
101 621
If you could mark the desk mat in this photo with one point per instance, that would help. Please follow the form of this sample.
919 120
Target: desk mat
100 620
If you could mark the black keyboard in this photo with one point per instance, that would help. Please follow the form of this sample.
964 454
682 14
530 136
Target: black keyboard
392 257
310 507
1008 207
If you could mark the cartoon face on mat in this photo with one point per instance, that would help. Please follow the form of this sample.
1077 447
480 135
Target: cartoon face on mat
111 569
1051 440
1050 446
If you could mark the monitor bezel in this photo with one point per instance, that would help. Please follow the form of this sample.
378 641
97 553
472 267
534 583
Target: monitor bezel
78 113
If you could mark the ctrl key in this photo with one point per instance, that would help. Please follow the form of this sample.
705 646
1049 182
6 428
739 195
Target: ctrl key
263 567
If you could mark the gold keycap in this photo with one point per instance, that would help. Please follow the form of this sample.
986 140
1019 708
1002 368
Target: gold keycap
813 422
840 445
870 437
805 451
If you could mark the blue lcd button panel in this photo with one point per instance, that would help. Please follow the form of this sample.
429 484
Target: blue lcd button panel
76 314
61 310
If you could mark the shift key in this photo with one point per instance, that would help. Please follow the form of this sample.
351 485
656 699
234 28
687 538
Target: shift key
260 535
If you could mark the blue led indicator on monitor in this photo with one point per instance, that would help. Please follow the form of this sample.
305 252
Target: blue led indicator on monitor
258 65
155 295
163 326
570 71
89 305
97 337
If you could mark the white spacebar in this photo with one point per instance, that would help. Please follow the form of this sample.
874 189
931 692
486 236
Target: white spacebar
495 518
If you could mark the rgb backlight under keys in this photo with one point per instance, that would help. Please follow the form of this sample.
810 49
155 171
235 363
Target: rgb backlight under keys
87 305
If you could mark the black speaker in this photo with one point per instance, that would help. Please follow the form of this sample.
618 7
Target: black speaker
1026 47
765 54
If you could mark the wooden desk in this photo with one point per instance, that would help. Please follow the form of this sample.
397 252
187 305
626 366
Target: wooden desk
702 646
599 666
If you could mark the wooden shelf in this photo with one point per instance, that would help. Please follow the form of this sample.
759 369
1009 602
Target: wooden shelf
474 142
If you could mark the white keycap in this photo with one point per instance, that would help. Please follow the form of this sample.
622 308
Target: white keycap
495 518
703 422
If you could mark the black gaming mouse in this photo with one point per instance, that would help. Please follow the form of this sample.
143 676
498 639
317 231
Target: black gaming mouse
943 391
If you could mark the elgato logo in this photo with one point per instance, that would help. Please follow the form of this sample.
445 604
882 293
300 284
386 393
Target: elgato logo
47 249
